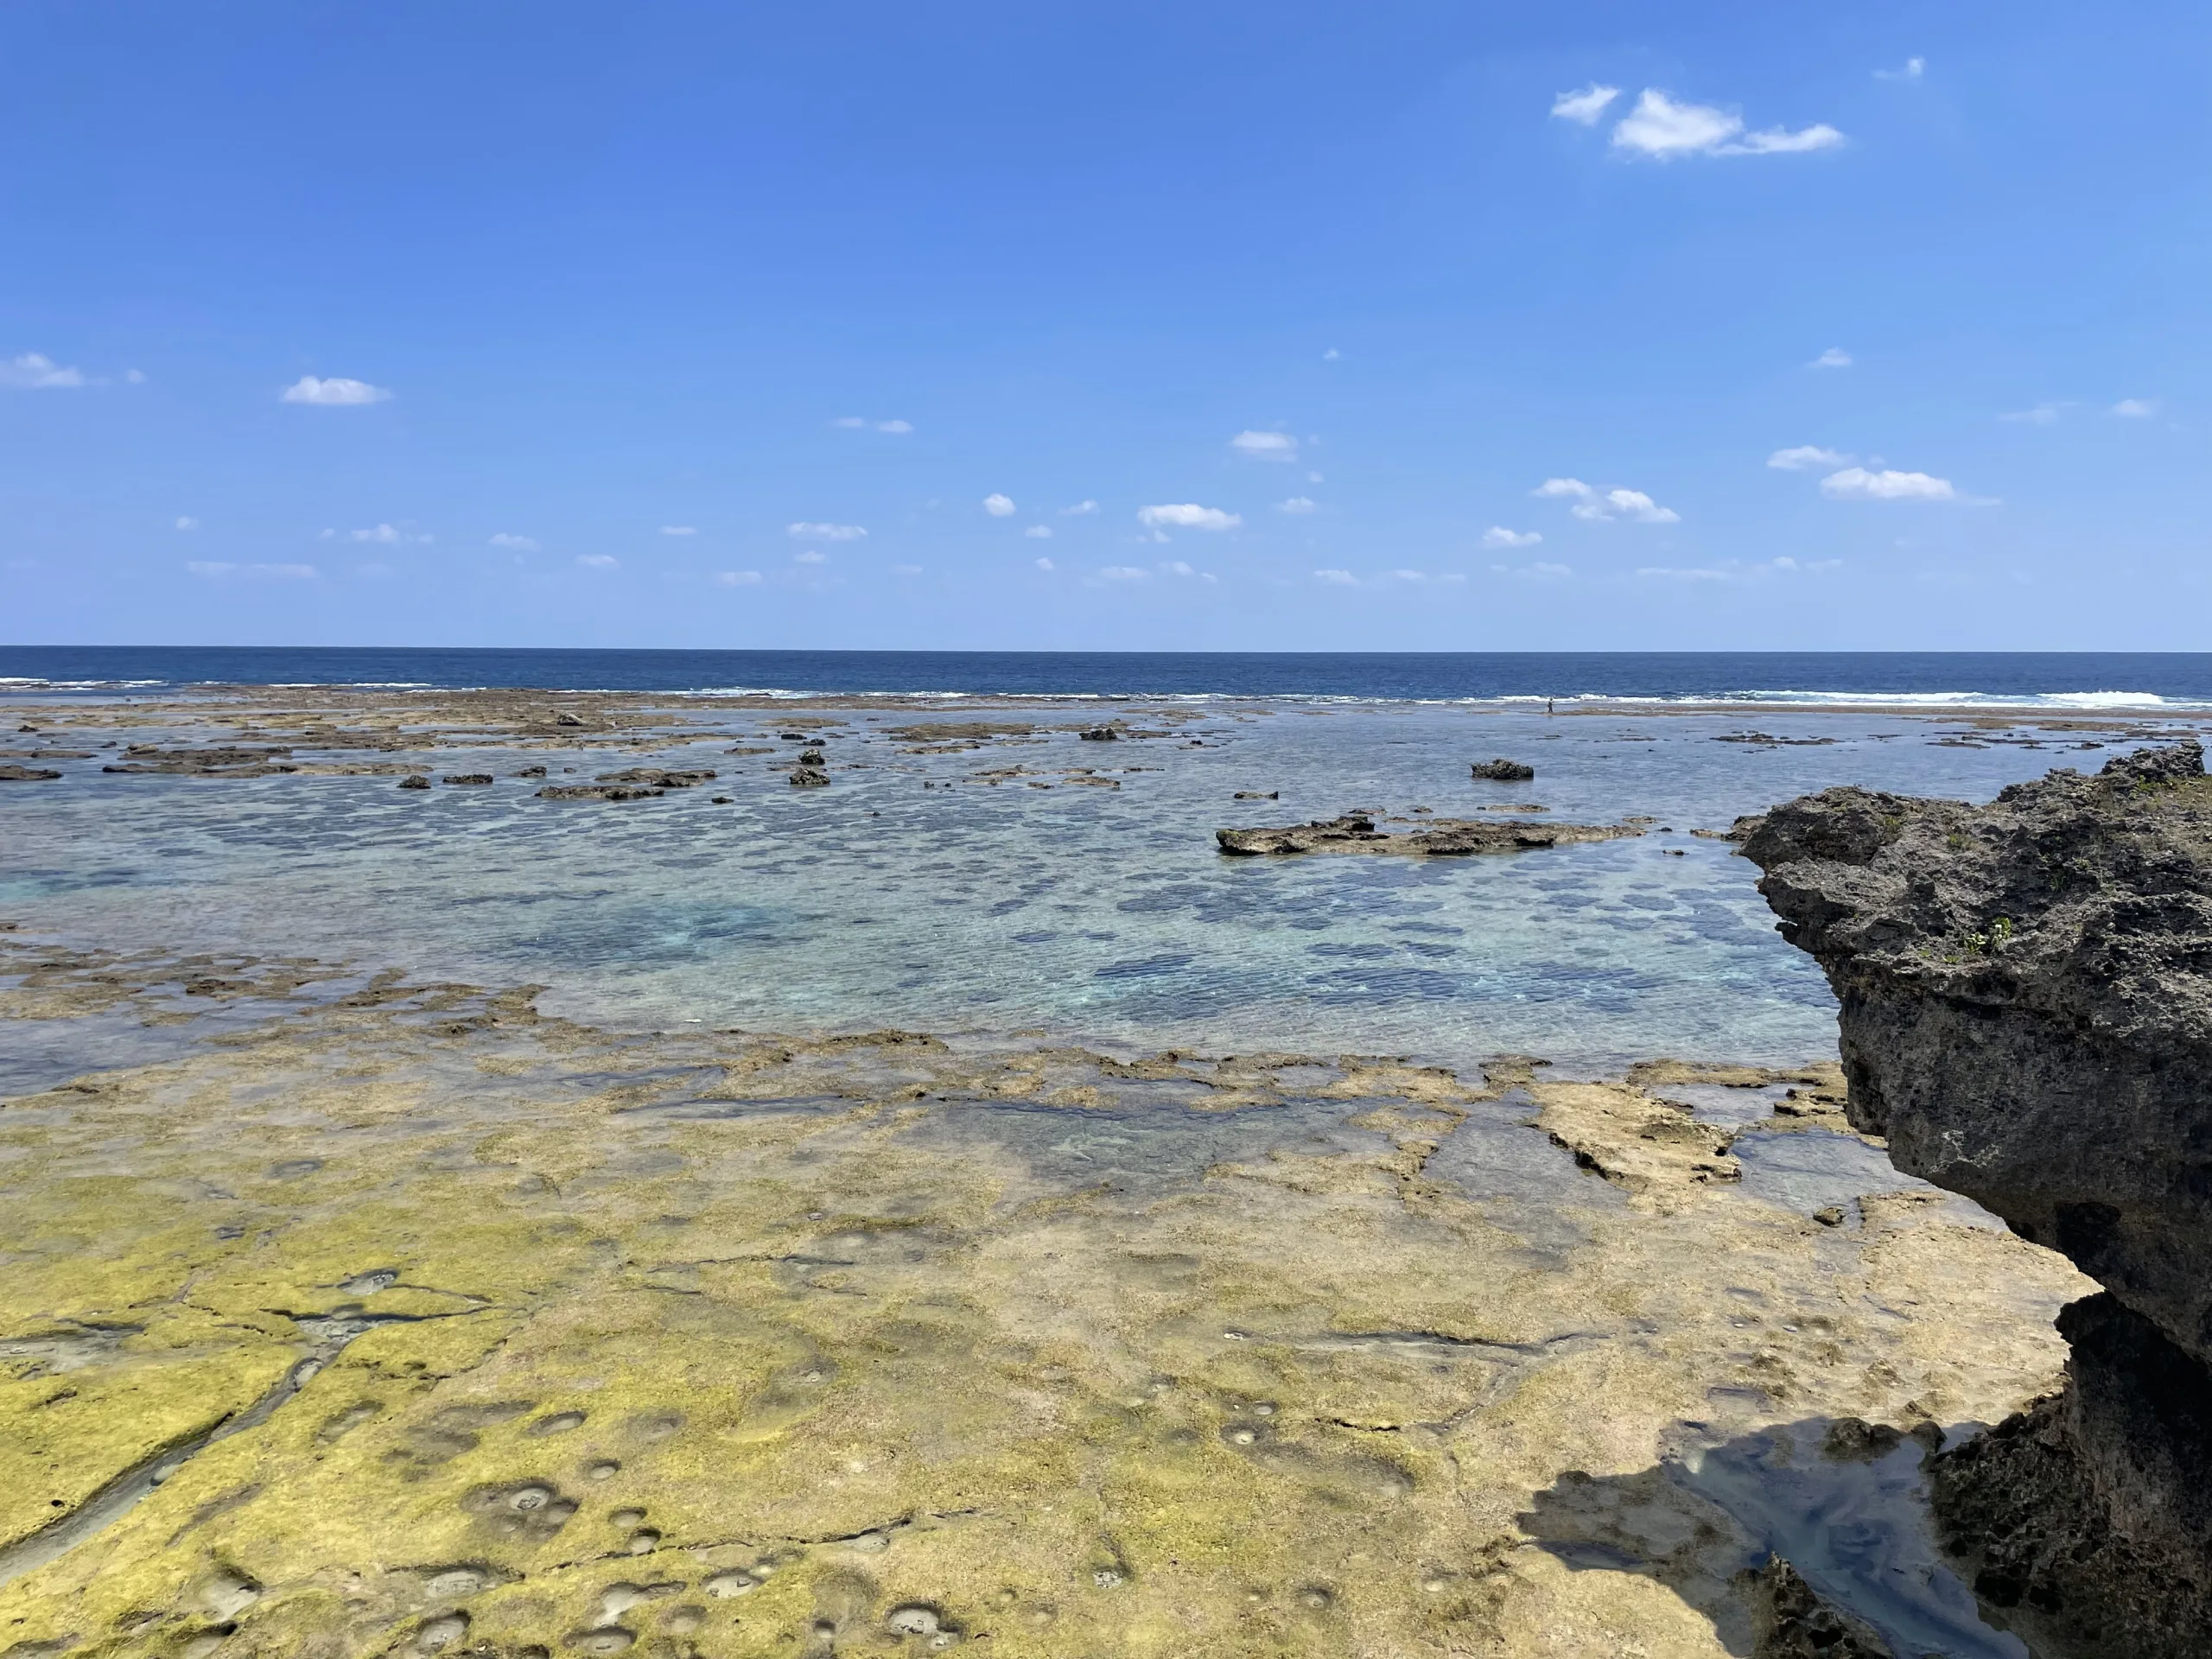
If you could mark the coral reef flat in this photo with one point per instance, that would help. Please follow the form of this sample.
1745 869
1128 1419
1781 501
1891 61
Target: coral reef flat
401 1317
950 1204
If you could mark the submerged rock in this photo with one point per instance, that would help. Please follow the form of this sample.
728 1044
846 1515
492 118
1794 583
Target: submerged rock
1503 772
468 778
1355 832
1792 1622
2026 992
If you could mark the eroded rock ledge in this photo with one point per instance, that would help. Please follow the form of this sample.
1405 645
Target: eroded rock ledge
1356 832
2026 992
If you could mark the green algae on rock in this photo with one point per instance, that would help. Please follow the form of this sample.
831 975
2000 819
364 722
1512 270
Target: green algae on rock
739 1344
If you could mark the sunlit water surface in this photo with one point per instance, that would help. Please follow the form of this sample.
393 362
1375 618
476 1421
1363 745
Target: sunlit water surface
1089 913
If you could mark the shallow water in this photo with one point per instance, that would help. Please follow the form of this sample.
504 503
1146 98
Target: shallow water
1105 914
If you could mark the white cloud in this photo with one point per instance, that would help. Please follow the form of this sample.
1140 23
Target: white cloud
806 532
1336 578
2133 408
1039 532
1912 69
1187 515
598 562
516 544
1733 571
896 427
1330 355
1775 140
371 570
384 535
1314 478
1410 575
1176 568
1539 571
334 393
134 377
1660 127
187 522
1079 509
1125 573
1500 536
1804 456
906 569
736 578
1602 506
810 557
2041 415
1046 564
1265 446
1835 358
1587 105
281 572
1298 504
35 371
1857 484
854 423
861 424
999 506
679 529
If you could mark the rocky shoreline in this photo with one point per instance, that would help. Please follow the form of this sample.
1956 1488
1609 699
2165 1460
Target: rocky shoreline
2026 993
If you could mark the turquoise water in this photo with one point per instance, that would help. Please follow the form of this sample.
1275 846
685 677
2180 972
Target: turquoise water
1095 914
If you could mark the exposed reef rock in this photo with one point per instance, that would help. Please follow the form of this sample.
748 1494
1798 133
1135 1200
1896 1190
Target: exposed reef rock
28 774
655 777
598 792
2026 992
1355 832
1503 772
204 763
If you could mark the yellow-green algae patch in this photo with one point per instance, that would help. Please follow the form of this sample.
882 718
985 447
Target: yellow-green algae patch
728 1346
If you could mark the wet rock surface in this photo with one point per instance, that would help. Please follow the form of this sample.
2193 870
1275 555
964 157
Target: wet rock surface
739 1343
13 774
1503 772
1356 832
2026 992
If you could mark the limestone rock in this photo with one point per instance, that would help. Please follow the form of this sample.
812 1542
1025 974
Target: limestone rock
2026 992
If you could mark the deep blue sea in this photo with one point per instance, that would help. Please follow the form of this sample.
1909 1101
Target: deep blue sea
2084 679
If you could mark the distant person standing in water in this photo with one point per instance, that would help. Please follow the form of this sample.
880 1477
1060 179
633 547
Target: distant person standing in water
1547 705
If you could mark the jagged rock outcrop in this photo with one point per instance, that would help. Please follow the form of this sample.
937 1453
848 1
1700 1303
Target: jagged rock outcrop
1503 772
1355 832
2026 1013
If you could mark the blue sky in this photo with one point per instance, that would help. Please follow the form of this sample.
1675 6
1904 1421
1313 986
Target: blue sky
1099 325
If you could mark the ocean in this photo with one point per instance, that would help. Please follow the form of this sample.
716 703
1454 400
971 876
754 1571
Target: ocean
2084 679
